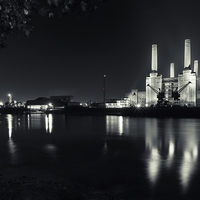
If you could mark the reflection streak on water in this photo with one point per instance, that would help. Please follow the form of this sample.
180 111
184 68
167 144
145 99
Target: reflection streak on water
40 121
187 145
35 121
190 155
49 123
154 165
187 167
120 123
28 121
51 150
154 159
105 148
116 124
11 144
10 120
171 151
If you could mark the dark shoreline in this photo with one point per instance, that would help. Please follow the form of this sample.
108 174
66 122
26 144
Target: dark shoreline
169 112
28 187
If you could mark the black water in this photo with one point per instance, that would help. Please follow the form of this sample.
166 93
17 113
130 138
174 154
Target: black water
135 158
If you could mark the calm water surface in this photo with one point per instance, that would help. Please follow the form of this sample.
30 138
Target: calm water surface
139 158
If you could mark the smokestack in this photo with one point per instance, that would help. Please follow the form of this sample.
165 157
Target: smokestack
196 67
171 70
187 52
154 66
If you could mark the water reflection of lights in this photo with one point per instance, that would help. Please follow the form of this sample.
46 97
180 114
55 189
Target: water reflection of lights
10 121
49 123
188 166
115 124
154 158
28 121
154 165
105 148
120 124
51 150
170 153
11 144
189 145
159 143
35 121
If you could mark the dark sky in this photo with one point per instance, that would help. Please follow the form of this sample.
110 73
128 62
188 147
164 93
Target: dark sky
70 55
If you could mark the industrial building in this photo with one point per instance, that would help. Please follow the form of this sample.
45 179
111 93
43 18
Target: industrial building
182 90
117 103
43 103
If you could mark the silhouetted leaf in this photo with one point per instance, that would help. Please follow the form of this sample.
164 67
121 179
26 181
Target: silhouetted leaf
16 15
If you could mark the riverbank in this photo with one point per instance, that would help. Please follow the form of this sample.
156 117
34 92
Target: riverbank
29 188
174 112
10 110
18 188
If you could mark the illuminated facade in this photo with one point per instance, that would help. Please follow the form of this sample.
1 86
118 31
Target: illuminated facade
43 103
118 103
170 84
183 89
188 95
40 103
137 98
154 80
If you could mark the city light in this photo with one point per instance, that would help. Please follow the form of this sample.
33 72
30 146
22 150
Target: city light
138 105
50 105
10 98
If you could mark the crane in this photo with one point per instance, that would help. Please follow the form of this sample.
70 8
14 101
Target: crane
160 94
176 92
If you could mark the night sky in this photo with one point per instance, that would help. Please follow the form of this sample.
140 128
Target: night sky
70 55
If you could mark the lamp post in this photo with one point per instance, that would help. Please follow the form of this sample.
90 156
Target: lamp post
10 98
104 89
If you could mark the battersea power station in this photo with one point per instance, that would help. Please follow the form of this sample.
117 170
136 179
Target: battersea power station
182 90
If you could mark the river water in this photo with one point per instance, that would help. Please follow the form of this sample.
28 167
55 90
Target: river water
134 158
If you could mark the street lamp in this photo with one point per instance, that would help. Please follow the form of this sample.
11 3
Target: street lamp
104 89
10 98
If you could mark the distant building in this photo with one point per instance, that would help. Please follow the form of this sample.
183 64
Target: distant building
68 98
183 90
117 103
74 104
96 105
137 98
59 102
40 103
54 102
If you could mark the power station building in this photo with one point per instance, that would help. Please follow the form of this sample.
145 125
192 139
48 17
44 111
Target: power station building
182 90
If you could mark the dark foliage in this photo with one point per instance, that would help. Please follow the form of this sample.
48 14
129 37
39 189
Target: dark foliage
16 15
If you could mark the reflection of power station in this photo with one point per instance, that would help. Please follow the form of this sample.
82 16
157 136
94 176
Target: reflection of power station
182 90
163 150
